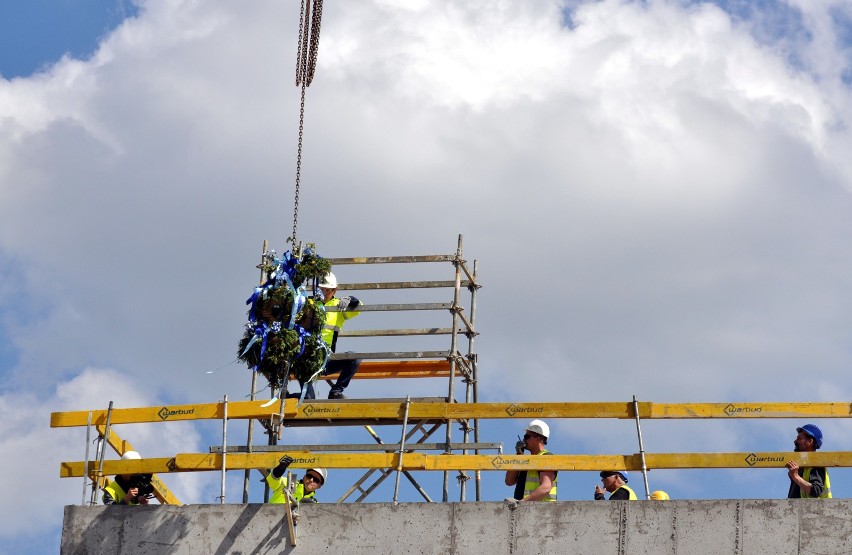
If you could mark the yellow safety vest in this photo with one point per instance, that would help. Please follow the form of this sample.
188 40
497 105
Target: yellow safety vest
630 491
533 481
117 493
277 485
334 322
826 491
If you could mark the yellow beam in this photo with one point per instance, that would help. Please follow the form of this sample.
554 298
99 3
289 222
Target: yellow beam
161 491
747 410
172 413
111 468
459 411
194 462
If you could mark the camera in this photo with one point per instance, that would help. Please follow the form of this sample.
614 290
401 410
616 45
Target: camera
143 483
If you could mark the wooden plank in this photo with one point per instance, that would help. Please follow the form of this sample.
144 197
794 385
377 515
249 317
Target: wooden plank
194 462
422 368
161 491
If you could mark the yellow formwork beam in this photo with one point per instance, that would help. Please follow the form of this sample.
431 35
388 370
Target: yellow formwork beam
161 491
195 462
111 468
457 411
174 413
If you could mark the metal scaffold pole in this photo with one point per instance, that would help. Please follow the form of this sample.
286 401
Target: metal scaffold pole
641 447
452 355
253 391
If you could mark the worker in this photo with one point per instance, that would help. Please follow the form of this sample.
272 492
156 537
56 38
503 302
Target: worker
615 482
129 489
809 481
305 492
538 485
659 495
333 324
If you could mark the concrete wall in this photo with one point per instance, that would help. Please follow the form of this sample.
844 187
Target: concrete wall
774 527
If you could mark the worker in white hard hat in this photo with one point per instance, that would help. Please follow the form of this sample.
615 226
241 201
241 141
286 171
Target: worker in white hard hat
538 485
129 489
305 492
334 321
615 482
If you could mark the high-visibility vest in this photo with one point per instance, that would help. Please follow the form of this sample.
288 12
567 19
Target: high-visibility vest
117 493
334 322
277 485
533 481
630 491
826 491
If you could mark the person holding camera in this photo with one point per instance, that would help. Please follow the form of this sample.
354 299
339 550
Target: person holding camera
129 489
306 489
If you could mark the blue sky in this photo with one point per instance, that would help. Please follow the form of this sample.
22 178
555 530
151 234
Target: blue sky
671 178
36 33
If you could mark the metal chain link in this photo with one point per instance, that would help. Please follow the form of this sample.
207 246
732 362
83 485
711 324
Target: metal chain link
310 18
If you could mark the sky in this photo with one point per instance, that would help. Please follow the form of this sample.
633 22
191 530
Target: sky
658 194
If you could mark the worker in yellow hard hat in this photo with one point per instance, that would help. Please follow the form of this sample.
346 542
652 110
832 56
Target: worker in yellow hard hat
660 495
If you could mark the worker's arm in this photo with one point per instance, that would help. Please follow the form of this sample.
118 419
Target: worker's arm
511 477
545 484
812 487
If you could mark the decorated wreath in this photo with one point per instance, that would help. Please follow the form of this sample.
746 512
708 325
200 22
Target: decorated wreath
283 334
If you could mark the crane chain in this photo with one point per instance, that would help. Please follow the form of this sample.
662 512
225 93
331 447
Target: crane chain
310 19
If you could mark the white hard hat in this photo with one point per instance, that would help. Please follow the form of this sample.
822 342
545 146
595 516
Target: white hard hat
539 427
130 456
321 471
329 281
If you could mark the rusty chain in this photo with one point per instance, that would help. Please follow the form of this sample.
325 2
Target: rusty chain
310 18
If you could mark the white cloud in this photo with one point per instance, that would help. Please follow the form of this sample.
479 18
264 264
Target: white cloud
35 452
656 195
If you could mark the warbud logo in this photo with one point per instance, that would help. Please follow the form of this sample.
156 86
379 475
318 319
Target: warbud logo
310 410
514 409
499 462
731 410
305 460
752 459
165 413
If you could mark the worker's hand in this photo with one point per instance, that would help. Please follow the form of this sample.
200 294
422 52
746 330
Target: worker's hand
599 490
285 461
519 447
142 499
132 496
354 303
792 469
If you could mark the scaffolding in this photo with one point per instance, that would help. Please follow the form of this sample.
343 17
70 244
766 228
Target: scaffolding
457 363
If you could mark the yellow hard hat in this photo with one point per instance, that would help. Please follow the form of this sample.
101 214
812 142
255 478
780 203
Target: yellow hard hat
660 495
